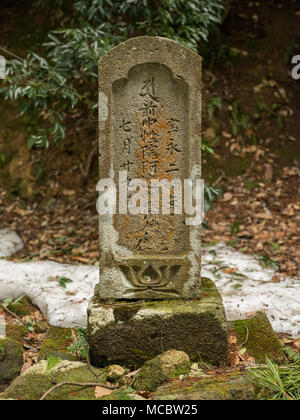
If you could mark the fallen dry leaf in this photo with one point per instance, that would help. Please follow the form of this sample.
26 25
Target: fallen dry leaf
25 367
229 270
227 196
251 314
100 391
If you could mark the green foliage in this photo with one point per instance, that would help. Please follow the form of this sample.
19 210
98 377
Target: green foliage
63 281
52 362
212 105
282 382
292 355
79 345
211 193
9 301
238 118
206 146
267 262
61 83
235 228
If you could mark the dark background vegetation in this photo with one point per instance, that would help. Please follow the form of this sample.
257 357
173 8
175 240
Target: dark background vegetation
251 118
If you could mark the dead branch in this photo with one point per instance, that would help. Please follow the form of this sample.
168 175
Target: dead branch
5 51
83 384
85 171
247 336
12 313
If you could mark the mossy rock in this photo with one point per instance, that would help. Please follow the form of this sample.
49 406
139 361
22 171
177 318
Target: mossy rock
56 344
22 307
11 360
166 366
115 373
16 332
226 387
262 340
34 382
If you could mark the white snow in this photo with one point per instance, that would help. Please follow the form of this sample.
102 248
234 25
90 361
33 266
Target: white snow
250 289
64 307
10 243
255 290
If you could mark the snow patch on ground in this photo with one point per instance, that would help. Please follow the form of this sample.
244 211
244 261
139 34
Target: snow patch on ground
64 307
249 289
10 243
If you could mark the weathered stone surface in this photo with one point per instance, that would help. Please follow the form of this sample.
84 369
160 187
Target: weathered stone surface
56 344
11 360
149 126
164 367
115 372
262 340
229 387
132 333
38 379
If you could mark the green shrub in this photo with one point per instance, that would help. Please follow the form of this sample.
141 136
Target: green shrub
61 83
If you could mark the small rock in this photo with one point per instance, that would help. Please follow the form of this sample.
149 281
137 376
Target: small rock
38 379
11 360
197 373
166 366
56 344
115 372
259 338
10 243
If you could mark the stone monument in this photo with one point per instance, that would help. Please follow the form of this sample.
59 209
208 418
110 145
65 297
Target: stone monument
149 298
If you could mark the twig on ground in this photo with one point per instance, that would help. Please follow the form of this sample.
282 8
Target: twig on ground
247 336
97 375
85 172
5 51
83 384
220 178
12 313
213 78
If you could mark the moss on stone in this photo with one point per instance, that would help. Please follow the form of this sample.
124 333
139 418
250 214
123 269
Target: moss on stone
209 290
162 368
35 382
262 340
131 333
16 332
11 360
22 307
226 387
115 373
56 344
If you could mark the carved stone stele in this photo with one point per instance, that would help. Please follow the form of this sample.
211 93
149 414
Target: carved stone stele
149 126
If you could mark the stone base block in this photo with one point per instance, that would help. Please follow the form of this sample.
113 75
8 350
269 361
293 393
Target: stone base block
130 333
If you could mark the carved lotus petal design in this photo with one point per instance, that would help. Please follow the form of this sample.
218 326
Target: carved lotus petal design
151 276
